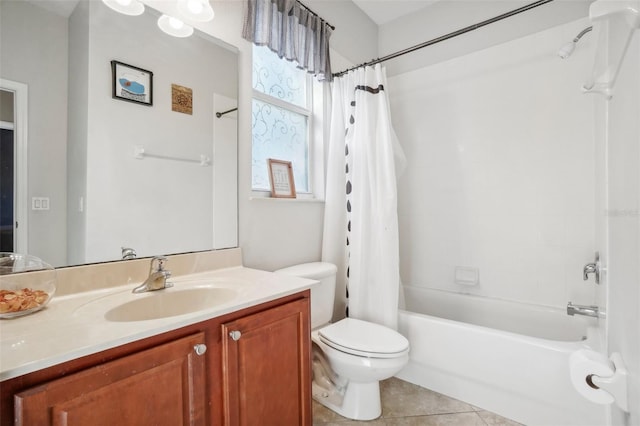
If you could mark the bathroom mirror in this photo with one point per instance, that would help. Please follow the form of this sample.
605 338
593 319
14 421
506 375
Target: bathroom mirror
159 177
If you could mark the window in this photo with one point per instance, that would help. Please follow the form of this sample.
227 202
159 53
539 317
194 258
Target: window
281 122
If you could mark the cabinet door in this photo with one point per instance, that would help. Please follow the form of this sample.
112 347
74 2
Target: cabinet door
164 385
267 367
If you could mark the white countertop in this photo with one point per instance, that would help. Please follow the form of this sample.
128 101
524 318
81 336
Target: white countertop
74 326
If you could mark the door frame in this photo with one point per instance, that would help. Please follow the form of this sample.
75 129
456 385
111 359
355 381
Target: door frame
20 128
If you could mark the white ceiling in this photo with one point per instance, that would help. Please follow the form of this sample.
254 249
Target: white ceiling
380 11
60 7
383 11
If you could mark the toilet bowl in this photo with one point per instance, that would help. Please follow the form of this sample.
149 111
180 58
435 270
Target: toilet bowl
362 353
358 353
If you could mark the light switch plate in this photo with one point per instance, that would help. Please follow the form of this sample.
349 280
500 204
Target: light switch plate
39 203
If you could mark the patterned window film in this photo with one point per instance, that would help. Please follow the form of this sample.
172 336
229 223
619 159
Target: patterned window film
280 118
278 77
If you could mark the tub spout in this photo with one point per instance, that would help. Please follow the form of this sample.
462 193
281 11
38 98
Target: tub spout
589 311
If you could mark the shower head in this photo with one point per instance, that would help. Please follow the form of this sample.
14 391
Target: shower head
566 50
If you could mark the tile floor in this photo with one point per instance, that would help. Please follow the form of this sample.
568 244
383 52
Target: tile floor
405 404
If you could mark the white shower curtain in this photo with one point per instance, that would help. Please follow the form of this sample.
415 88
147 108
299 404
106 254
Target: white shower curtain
361 221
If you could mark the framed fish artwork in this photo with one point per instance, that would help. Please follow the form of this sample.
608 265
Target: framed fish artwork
131 83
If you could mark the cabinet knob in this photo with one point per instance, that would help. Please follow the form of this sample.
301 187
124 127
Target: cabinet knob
200 349
235 335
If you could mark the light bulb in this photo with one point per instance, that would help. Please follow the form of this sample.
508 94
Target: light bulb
196 10
175 23
195 6
174 26
127 7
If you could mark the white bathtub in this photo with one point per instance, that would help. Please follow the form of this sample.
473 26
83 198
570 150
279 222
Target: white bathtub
505 357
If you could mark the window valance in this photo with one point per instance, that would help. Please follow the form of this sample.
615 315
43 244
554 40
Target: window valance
292 31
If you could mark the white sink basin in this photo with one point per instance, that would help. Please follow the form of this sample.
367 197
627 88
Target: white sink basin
169 303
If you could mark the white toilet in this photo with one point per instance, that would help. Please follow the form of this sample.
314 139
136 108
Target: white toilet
359 353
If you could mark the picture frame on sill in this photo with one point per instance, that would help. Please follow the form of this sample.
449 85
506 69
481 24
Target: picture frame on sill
281 179
131 84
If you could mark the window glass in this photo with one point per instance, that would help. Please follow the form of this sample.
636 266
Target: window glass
281 114
280 134
278 77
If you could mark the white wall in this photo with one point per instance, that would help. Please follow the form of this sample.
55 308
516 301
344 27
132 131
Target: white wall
444 17
27 52
621 143
501 170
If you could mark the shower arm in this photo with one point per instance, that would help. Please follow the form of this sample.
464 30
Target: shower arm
583 32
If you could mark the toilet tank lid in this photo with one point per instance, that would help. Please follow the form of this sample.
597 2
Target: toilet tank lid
313 270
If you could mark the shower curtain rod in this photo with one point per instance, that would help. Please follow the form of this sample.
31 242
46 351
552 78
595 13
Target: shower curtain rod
315 14
447 36
220 114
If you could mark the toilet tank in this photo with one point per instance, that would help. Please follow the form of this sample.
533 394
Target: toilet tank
323 294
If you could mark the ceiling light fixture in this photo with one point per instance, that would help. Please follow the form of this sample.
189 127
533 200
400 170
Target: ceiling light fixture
196 10
174 26
126 7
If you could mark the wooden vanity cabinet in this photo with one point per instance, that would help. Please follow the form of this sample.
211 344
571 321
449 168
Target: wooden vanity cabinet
266 367
261 376
158 386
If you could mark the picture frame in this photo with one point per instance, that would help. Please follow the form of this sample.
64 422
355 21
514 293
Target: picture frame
281 179
181 99
132 84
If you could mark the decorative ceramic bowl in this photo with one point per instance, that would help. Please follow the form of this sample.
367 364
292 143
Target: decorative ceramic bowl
27 284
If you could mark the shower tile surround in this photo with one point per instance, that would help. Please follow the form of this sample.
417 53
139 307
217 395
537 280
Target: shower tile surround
501 140
406 404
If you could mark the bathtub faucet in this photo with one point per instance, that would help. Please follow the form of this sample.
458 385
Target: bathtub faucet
589 311
592 268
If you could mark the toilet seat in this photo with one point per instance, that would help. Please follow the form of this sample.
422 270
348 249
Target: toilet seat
364 339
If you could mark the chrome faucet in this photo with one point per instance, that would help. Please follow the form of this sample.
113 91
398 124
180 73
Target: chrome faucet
128 253
157 279
592 268
589 311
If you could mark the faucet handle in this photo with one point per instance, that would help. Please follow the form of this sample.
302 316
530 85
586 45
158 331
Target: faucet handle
592 268
160 260
128 253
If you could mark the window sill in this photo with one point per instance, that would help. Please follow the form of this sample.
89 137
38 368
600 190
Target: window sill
286 200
